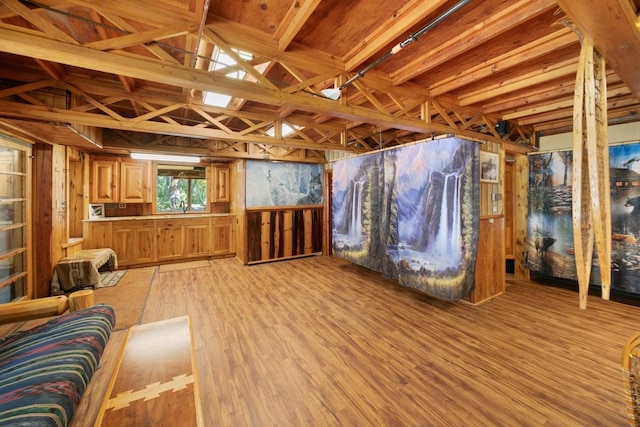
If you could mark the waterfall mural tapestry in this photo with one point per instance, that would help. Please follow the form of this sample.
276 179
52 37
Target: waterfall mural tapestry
549 226
411 213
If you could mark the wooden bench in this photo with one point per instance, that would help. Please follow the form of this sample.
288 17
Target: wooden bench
81 269
155 381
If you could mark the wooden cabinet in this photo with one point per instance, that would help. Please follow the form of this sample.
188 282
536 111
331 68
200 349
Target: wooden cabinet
120 181
282 233
171 239
134 242
162 239
198 238
183 238
104 181
97 234
135 182
223 240
220 187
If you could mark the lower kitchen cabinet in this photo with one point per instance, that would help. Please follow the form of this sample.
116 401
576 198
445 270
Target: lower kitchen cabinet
156 240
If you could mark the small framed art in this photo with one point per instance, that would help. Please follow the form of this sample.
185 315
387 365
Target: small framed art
96 211
489 167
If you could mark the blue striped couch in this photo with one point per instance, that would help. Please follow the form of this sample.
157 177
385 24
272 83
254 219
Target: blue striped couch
44 371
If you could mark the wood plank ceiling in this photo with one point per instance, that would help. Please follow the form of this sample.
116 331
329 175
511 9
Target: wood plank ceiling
132 74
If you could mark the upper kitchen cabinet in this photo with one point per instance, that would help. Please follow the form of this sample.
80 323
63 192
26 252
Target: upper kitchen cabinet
220 186
120 181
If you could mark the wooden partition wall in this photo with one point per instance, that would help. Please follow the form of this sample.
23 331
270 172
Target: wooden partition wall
283 233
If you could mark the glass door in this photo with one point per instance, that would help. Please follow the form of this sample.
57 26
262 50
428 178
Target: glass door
14 220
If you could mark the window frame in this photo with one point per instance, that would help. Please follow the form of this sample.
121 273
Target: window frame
156 165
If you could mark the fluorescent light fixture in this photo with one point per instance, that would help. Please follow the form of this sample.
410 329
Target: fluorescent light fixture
165 157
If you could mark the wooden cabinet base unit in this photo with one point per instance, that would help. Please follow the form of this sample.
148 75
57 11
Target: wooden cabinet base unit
156 240
134 242
281 234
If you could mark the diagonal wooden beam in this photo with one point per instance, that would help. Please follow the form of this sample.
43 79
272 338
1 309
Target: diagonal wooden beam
142 37
44 24
119 22
226 48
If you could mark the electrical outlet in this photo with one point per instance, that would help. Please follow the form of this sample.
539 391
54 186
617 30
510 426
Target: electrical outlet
122 205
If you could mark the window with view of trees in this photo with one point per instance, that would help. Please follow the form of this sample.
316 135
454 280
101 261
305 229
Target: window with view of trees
181 189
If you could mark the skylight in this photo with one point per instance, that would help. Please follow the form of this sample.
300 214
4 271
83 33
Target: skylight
219 61
285 128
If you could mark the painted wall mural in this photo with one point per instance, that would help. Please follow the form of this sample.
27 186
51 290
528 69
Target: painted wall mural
549 227
411 213
271 184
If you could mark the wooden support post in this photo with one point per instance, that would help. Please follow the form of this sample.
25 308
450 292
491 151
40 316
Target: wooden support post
590 191
80 299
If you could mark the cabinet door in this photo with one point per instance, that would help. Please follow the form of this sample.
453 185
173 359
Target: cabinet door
171 239
104 181
134 242
135 179
123 243
145 242
97 235
221 191
198 238
223 236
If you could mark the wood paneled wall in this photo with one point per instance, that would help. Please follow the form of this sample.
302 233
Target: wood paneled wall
283 233
42 217
490 262
237 181
76 191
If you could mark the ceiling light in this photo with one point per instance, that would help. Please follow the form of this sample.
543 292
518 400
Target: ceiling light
165 157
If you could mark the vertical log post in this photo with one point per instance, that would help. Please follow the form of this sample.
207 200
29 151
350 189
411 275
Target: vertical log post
590 191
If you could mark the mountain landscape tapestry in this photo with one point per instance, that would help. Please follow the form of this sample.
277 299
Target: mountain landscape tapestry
549 225
411 213
274 184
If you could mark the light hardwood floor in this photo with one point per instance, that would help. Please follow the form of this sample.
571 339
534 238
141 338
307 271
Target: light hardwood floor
321 342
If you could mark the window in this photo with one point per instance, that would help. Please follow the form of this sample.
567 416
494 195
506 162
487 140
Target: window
220 61
286 130
181 189
14 191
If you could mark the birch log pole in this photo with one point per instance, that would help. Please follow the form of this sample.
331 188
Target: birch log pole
590 186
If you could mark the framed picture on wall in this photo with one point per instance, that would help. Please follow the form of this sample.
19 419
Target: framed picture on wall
96 211
489 167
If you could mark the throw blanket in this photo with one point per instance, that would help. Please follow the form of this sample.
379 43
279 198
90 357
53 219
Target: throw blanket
80 270
44 371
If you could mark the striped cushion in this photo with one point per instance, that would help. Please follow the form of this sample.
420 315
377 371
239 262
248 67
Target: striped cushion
45 370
